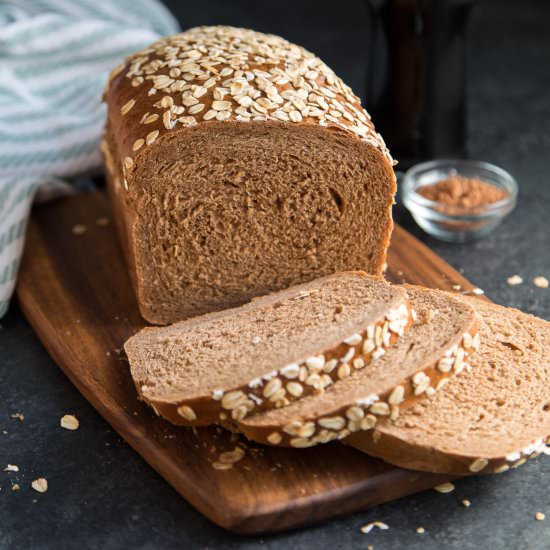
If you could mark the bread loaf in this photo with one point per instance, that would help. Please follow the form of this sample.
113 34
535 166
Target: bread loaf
487 419
239 164
268 353
436 347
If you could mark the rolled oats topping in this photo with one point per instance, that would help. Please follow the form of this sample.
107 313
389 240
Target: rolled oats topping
221 73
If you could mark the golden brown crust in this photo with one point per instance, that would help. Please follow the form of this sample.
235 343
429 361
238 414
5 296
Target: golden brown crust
417 457
226 74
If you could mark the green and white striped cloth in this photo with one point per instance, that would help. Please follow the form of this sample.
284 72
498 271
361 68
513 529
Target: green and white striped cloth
55 56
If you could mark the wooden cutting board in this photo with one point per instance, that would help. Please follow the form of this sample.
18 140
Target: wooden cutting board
75 292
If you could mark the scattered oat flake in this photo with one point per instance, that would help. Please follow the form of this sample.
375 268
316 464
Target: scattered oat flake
370 526
230 457
514 280
11 468
40 485
539 516
444 487
79 229
221 466
19 416
15 487
420 530
541 282
102 222
478 291
466 503
69 422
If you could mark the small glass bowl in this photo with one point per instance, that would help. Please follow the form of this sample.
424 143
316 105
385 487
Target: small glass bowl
457 224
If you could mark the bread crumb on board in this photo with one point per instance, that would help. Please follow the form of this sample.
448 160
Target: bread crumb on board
15 487
540 516
514 280
466 503
40 485
444 487
540 282
11 468
102 222
79 229
69 422
420 530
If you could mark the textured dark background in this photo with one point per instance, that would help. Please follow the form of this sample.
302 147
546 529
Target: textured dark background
103 496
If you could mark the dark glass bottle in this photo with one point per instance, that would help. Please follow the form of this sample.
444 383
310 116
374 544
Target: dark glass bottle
416 90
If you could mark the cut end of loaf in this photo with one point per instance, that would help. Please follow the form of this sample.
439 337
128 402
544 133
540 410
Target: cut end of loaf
238 210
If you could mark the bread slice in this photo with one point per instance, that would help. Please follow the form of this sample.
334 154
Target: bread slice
239 164
435 346
487 419
267 353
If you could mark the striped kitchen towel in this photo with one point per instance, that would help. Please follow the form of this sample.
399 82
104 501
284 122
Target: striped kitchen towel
55 56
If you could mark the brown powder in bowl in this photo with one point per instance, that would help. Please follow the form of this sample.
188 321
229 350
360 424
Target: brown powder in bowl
459 193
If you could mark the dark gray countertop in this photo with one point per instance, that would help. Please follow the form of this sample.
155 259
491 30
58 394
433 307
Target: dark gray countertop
103 496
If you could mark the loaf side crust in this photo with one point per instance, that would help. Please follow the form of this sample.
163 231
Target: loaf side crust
401 453
226 74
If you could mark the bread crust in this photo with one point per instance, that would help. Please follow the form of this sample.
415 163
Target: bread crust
141 88
429 459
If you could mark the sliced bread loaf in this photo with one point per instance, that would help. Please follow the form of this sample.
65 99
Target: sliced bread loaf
239 164
434 347
269 352
487 419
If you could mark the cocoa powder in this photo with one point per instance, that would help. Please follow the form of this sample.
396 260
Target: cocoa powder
458 193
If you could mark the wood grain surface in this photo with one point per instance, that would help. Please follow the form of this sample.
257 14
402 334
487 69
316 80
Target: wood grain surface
75 292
